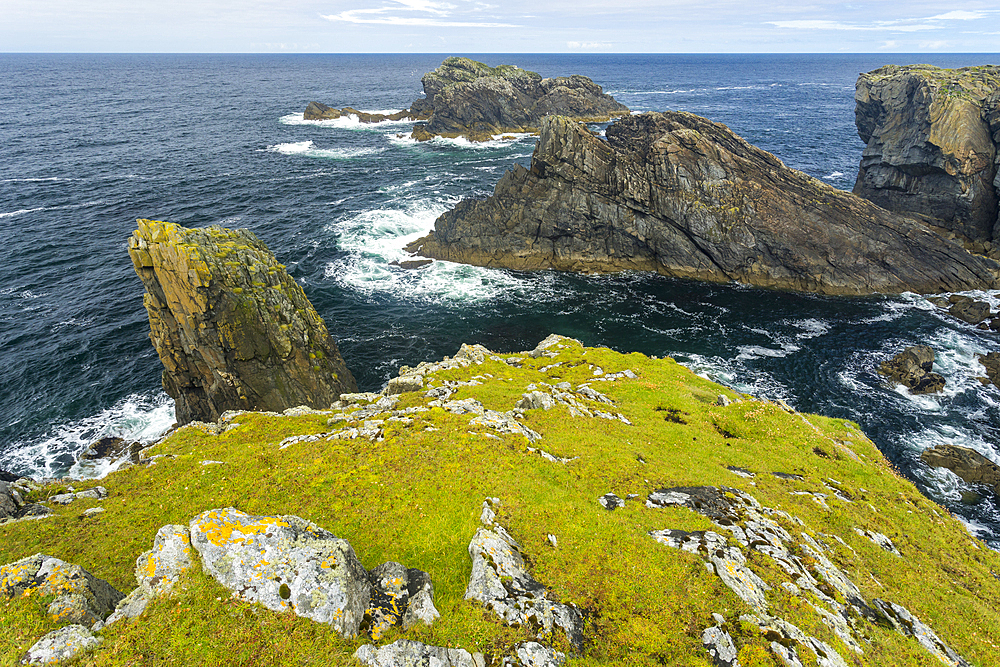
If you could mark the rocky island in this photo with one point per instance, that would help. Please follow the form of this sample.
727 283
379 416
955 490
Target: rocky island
680 195
932 138
467 98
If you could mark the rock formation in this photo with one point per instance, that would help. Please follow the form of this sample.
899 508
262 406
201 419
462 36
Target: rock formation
967 463
912 369
466 98
683 196
932 138
234 331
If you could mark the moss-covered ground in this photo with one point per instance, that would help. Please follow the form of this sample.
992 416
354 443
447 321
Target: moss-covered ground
416 496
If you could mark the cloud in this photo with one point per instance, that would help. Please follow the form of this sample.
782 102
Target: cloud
588 45
889 44
389 15
938 44
958 15
898 25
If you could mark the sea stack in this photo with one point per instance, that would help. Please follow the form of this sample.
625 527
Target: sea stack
932 137
680 195
234 331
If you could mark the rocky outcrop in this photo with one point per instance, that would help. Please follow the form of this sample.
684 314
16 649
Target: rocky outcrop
234 331
470 99
912 368
683 196
968 464
406 652
319 111
79 596
61 645
932 137
156 571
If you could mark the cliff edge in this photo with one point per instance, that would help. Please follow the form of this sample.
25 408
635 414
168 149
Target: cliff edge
680 195
234 331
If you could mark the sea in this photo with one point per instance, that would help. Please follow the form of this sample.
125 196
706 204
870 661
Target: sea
89 143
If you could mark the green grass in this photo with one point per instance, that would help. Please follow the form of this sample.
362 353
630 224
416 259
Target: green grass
416 497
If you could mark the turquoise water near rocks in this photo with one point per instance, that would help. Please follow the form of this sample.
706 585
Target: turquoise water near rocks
88 143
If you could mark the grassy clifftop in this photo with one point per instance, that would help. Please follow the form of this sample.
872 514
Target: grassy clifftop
411 490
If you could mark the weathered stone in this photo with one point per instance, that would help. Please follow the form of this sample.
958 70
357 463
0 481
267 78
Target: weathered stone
157 570
967 463
929 146
404 384
468 98
319 111
400 596
683 196
80 597
610 501
535 400
720 646
60 645
284 563
8 505
912 369
533 654
909 625
6 476
110 447
968 310
406 653
234 331
991 362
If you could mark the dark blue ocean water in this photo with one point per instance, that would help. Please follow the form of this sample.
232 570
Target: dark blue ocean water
88 143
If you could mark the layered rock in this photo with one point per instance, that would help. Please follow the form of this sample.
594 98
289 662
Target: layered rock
683 196
234 331
468 98
932 137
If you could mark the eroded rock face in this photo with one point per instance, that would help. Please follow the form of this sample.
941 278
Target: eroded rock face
80 597
468 98
912 369
930 141
234 331
683 196
284 563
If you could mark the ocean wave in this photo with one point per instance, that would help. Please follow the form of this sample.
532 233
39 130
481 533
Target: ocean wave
136 418
51 179
834 175
308 149
11 214
348 122
498 141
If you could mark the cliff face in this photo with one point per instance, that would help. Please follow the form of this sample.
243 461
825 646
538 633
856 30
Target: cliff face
470 99
234 331
931 138
683 196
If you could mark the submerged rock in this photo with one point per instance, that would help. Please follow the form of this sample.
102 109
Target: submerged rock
912 369
683 196
931 138
234 331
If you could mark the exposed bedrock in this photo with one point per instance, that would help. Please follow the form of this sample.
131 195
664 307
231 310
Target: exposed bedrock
680 195
234 331
932 135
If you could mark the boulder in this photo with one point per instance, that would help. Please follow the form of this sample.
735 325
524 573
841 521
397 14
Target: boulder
533 654
682 196
991 361
912 369
968 309
6 476
111 447
286 564
157 570
400 596
931 151
967 463
403 652
60 645
319 111
234 331
80 597
8 505
470 99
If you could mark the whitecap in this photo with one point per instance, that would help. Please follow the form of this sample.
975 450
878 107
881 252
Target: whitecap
498 141
832 176
348 122
11 214
308 149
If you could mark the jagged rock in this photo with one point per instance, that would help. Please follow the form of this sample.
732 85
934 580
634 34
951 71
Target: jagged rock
468 98
720 646
399 596
683 196
909 625
8 505
319 111
501 581
234 331
967 463
111 447
6 476
404 384
404 653
967 309
80 597
931 149
912 369
991 361
284 563
533 654
610 501
535 400
157 570
60 645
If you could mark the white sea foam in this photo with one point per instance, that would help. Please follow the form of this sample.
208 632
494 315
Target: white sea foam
135 418
834 175
811 328
348 122
498 141
11 214
308 149
51 179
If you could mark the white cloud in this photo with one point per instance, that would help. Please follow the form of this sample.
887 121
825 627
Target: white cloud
588 45
837 25
958 15
389 15
937 44
889 44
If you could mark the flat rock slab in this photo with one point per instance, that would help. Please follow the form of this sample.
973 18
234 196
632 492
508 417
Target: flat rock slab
284 563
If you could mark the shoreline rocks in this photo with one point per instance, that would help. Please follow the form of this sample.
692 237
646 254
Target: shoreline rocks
234 331
685 197
968 464
932 137
912 368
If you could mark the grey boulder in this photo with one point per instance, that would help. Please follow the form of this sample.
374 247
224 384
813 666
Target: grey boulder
80 597
60 645
405 653
157 570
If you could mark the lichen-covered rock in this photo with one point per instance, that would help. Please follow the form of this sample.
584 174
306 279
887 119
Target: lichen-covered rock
930 150
80 597
286 564
234 331
720 647
907 624
683 196
399 596
533 654
157 570
912 369
60 645
469 98
406 653
8 505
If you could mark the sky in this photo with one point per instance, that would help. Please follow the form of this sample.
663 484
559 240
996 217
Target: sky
498 26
